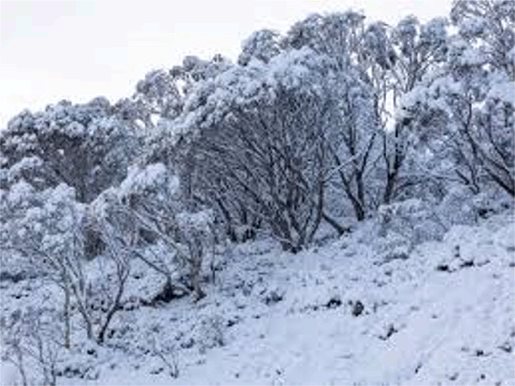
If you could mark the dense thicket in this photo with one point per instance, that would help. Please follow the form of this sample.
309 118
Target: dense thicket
333 122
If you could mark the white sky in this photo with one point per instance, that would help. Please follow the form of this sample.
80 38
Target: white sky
51 51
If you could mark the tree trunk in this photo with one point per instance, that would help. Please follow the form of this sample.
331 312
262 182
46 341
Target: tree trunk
67 316
331 221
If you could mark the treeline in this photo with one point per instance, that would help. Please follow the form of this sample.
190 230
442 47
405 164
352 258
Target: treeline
334 119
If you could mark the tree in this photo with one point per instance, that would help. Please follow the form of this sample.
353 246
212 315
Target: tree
145 208
84 146
489 24
464 112
337 35
353 147
161 97
29 342
42 229
258 136
261 45
160 94
45 228
411 51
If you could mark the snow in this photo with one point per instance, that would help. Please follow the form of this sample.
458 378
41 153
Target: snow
443 315
19 192
504 92
199 221
447 325
139 179
420 293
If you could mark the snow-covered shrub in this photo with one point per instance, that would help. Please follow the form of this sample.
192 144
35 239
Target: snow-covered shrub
44 230
167 355
412 219
210 333
30 341
410 222
394 246
196 232
457 208
40 227
146 209
461 207
491 202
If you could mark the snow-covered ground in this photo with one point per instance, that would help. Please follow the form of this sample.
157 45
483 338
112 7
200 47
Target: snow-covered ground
347 312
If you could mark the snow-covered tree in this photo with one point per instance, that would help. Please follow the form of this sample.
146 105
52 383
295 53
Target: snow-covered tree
40 231
338 35
43 231
359 86
260 137
84 146
464 111
146 208
354 146
29 342
261 45
160 94
409 52
489 25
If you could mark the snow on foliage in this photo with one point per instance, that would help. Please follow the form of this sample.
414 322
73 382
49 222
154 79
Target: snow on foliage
153 178
262 45
348 181
257 82
200 221
83 145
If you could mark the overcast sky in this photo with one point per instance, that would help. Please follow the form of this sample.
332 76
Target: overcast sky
51 51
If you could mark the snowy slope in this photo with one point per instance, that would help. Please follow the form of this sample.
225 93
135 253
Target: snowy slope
344 313
420 324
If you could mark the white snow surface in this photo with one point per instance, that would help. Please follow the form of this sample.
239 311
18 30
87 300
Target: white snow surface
276 318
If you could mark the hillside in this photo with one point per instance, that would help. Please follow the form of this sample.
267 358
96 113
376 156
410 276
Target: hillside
334 206
342 313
